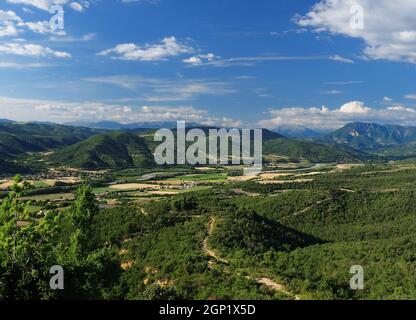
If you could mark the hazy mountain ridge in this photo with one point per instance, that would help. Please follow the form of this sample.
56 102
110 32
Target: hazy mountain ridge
114 125
298 132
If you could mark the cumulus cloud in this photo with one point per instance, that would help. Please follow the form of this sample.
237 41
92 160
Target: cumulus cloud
42 27
201 59
64 111
325 118
40 4
168 47
354 107
47 4
30 50
388 27
9 23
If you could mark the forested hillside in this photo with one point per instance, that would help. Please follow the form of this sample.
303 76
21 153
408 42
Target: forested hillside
20 138
113 150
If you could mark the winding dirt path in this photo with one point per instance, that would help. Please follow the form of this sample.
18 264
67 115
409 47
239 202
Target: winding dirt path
269 283
276 287
205 246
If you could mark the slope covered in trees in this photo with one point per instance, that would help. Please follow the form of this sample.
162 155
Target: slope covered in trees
20 138
112 150
305 240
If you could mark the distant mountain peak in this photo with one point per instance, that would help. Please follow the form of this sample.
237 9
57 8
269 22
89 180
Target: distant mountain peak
297 131
368 136
114 125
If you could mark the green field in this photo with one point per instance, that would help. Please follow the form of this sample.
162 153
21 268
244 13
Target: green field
207 177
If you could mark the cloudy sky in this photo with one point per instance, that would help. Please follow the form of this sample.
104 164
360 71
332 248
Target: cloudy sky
268 63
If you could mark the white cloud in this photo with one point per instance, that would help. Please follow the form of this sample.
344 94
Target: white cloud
64 111
354 107
8 29
163 90
40 4
201 59
46 5
325 118
30 50
39 26
76 6
344 83
15 65
169 47
411 96
389 27
252 61
11 25
9 22
332 92
42 27
338 58
85 38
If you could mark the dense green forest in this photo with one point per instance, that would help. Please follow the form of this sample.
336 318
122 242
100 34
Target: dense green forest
219 245
113 150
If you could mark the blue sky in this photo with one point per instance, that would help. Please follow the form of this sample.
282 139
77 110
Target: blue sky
226 62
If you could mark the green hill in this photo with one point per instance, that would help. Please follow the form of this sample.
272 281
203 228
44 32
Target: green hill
113 150
21 138
120 149
276 144
407 150
311 151
244 229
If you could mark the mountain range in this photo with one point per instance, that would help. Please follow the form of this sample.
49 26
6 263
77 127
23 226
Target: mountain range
113 125
375 138
116 150
92 148
17 139
299 132
287 131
